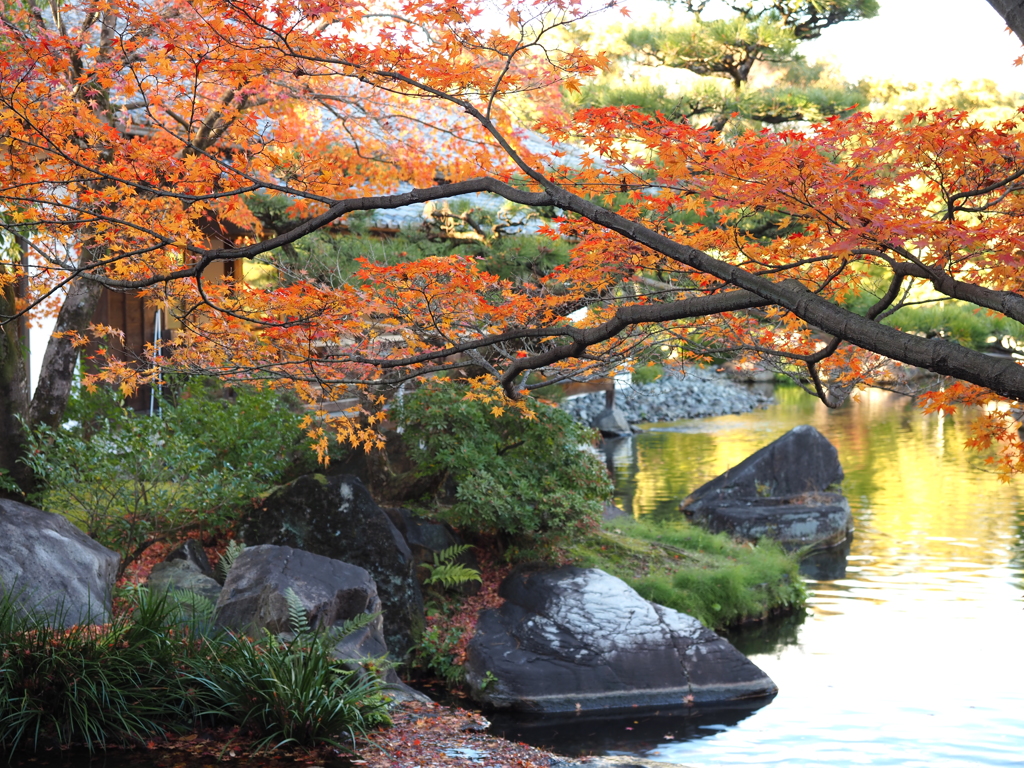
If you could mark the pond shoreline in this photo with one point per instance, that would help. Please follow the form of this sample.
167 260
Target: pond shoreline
692 393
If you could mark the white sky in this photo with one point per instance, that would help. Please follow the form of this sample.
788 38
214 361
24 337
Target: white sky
925 40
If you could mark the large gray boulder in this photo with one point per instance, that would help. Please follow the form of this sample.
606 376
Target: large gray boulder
786 491
254 597
53 568
801 461
572 639
337 518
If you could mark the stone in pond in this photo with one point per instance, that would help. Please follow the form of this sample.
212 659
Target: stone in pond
572 639
784 491
611 422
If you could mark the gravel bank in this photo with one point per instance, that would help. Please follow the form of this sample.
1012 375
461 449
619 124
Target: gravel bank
693 394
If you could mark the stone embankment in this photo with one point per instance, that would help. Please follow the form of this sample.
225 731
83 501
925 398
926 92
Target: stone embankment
693 394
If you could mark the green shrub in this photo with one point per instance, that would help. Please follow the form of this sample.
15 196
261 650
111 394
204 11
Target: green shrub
156 668
295 691
117 684
129 480
437 653
511 474
960 322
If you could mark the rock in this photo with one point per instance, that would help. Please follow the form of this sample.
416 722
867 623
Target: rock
254 598
781 492
331 591
809 520
611 512
612 422
53 568
180 574
337 518
693 393
427 538
572 639
192 551
802 461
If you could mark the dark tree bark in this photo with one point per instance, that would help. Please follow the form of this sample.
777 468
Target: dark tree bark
58 369
1012 12
14 387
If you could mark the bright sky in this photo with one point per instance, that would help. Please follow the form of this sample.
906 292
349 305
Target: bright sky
925 40
914 41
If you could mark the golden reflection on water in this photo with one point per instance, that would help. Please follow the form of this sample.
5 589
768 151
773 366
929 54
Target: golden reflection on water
918 496
907 657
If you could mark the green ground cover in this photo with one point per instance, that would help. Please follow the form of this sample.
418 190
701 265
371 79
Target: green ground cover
709 576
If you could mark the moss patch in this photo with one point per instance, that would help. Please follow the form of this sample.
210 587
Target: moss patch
706 575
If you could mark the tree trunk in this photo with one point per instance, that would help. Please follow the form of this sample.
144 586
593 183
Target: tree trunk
1012 12
58 369
14 387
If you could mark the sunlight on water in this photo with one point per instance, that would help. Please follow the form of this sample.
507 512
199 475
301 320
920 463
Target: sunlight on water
912 657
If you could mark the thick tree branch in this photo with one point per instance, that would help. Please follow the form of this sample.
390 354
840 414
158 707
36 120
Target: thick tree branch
1012 12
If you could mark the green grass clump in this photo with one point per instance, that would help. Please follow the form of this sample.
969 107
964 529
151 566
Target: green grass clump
294 691
708 576
158 668
91 685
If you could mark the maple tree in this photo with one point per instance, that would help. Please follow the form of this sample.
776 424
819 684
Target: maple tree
133 134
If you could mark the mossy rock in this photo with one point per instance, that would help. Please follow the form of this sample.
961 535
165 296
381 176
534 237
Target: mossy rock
336 517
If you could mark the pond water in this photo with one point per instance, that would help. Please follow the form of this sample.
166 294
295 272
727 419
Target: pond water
911 650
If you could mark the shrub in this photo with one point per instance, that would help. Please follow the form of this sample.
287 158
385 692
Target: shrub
119 683
295 691
155 668
131 480
511 473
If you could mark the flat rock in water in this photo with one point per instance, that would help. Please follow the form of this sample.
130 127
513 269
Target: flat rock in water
612 422
810 520
784 491
572 639
52 568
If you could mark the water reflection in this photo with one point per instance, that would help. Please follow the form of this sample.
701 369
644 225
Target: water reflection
909 655
909 481
575 735
827 564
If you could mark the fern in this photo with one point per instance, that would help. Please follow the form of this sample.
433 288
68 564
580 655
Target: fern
193 609
297 619
232 552
445 572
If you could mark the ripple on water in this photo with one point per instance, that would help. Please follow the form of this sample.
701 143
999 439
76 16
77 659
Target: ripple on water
911 657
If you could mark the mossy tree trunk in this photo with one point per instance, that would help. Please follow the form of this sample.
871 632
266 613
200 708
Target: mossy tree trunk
14 384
